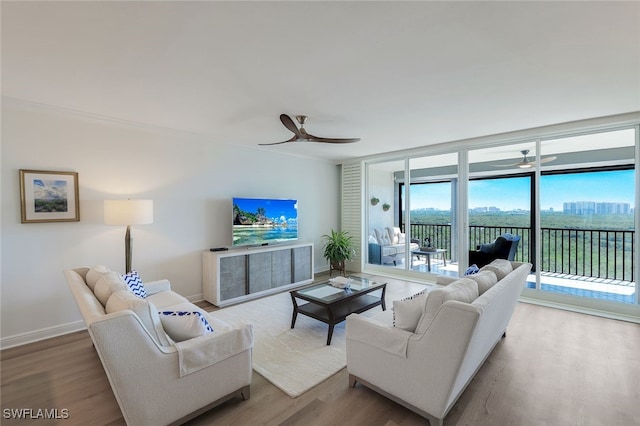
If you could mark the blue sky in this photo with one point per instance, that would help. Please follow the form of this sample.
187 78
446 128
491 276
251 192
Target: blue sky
513 193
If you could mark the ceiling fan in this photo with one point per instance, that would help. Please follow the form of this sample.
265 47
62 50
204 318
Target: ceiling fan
301 135
525 163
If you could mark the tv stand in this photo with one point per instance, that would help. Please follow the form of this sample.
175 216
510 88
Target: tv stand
235 276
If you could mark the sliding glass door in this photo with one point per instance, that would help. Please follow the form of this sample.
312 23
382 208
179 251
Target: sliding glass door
566 202
587 199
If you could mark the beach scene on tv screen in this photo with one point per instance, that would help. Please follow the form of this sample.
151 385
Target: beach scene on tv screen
264 221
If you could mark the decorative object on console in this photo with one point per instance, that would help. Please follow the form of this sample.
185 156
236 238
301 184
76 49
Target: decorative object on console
338 249
128 212
49 196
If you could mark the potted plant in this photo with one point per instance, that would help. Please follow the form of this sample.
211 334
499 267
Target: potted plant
386 206
374 201
338 249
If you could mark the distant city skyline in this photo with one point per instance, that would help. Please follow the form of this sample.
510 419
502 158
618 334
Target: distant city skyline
507 194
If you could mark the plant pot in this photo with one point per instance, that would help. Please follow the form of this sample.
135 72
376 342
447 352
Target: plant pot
337 265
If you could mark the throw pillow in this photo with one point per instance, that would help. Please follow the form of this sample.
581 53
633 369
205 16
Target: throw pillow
487 248
108 284
94 274
473 269
500 267
463 290
143 308
485 279
372 240
184 325
135 284
407 312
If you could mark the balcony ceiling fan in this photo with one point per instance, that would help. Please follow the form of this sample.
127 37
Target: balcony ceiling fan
525 163
301 135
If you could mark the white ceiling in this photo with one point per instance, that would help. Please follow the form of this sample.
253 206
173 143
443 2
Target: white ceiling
396 74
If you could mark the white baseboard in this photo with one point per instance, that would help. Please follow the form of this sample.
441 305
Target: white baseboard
42 334
58 330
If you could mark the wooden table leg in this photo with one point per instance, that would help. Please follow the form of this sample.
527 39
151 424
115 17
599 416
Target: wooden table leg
295 311
330 334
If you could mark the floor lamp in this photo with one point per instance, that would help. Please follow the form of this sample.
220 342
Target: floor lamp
128 212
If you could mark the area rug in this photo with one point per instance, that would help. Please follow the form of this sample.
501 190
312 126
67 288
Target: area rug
295 360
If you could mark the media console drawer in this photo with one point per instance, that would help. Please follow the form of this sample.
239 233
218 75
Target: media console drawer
237 275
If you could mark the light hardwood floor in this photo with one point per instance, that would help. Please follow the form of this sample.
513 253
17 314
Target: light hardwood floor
553 368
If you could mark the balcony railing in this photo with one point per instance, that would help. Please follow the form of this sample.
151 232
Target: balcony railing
594 253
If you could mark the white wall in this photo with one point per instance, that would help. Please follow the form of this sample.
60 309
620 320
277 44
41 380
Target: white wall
381 185
190 179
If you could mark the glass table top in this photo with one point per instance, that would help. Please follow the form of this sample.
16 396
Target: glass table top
327 293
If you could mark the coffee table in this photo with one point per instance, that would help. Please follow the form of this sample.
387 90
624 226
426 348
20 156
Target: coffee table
332 305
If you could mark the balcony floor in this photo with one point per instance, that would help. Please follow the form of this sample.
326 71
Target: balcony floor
575 285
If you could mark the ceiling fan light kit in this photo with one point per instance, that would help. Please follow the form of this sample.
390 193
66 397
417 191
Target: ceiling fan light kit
301 135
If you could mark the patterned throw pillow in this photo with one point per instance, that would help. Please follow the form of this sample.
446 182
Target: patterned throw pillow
134 282
473 269
184 325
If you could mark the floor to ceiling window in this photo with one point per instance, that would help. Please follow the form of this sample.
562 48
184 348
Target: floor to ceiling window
568 200
587 199
431 221
386 245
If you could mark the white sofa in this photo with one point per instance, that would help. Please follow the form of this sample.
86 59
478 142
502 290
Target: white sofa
388 245
456 326
158 379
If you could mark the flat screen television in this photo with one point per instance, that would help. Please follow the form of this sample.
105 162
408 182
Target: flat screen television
263 221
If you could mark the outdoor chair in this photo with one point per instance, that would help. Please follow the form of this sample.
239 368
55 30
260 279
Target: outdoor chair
504 247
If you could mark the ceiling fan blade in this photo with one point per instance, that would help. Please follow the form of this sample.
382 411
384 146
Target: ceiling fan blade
332 140
547 159
289 124
293 139
507 165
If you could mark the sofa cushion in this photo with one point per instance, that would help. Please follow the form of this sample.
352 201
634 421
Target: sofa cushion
500 267
143 308
383 237
485 279
167 300
463 290
407 312
108 284
94 274
184 325
135 284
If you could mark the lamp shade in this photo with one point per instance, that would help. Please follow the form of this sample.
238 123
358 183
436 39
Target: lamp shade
128 212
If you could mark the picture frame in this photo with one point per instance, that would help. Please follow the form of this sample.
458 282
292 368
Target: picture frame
49 196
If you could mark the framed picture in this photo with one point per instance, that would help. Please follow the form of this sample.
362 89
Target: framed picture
49 196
